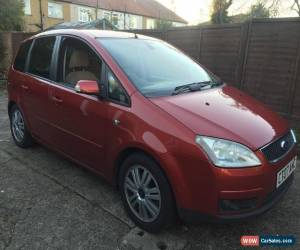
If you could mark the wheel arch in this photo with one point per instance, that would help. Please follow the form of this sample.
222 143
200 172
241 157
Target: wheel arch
125 153
10 105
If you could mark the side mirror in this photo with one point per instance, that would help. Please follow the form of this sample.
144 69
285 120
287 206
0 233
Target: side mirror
87 87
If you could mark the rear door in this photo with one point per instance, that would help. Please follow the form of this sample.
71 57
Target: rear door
35 87
19 80
80 120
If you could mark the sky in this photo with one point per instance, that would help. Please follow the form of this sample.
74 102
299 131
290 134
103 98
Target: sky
197 11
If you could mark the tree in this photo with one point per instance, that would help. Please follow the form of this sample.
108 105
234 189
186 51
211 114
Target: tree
296 7
274 5
11 15
219 13
259 10
163 24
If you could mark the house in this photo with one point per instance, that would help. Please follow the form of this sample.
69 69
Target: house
123 14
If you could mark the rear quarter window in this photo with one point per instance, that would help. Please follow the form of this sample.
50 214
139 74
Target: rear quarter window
41 56
21 57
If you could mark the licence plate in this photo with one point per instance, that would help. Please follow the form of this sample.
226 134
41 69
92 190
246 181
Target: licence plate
285 172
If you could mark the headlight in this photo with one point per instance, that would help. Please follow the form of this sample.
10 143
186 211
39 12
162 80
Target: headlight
227 154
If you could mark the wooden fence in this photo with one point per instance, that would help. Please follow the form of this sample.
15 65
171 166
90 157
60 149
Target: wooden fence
260 56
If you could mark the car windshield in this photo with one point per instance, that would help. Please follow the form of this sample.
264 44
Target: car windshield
155 67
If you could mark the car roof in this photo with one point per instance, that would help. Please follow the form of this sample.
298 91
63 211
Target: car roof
92 33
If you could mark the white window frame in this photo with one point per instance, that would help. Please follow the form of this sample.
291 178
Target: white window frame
57 10
27 7
83 14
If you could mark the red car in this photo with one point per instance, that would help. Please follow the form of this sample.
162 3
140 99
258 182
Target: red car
174 138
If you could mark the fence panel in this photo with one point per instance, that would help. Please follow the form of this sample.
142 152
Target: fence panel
220 51
271 62
186 40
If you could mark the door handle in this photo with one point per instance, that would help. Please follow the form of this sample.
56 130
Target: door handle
56 99
25 87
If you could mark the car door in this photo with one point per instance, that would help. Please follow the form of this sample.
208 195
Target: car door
80 120
21 78
35 96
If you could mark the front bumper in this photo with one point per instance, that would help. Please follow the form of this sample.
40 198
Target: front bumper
249 191
271 199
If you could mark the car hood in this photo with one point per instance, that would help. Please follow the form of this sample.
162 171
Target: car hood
225 113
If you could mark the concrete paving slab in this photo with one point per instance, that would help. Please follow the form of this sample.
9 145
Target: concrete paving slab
4 157
19 182
66 221
138 239
69 174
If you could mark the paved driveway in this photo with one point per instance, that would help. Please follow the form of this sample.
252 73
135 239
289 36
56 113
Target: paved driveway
48 202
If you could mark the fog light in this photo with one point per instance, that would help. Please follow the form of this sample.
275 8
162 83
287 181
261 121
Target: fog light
236 205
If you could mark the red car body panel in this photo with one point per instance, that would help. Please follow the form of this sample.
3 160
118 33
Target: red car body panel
226 113
80 127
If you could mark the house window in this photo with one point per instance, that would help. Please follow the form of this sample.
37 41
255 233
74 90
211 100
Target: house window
133 22
150 23
27 7
84 15
115 19
55 10
107 15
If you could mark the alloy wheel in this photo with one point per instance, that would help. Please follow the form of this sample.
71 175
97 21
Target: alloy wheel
18 127
142 193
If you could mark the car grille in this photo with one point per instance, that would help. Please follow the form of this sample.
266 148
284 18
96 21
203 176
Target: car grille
279 148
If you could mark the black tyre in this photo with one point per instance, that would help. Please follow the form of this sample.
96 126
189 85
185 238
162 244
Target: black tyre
146 193
18 128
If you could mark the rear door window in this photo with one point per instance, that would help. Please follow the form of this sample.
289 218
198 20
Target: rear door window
41 57
21 57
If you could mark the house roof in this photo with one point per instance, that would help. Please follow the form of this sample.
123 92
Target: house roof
148 8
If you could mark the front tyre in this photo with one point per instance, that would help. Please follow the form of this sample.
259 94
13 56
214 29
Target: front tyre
18 128
146 193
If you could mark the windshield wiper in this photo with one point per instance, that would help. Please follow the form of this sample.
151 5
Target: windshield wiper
196 86
217 83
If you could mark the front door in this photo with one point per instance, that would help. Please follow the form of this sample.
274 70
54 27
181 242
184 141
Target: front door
80 120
